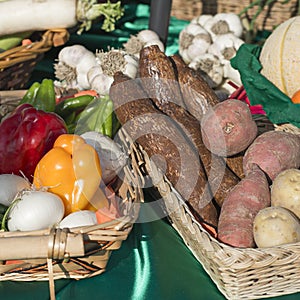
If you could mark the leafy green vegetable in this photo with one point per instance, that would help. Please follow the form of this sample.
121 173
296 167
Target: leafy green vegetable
277 105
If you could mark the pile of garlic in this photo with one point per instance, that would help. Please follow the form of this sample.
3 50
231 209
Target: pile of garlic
208 43
79 68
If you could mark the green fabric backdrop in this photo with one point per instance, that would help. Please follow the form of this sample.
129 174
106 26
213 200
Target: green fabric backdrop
153 263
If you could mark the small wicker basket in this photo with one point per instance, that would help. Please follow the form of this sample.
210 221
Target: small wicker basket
239 273
76 253
17 64
270 16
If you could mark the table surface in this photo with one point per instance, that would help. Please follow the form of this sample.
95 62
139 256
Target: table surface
154 262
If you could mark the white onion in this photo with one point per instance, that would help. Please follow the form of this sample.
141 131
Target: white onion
79 218
35 210
10 185
112 157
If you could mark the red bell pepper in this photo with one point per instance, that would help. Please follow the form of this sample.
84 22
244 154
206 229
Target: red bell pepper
25 137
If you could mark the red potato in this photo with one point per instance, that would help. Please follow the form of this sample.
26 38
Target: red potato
228 128
273 152
245 200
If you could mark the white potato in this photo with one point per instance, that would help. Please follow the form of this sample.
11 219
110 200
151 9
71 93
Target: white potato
285 190
275 226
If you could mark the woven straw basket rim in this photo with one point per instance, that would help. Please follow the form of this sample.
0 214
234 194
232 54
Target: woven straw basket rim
76 253
239 273
17 64
22 53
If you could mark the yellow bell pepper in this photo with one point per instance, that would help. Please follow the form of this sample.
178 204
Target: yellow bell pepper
71 170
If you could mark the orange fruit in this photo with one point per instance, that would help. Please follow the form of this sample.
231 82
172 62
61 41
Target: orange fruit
296 97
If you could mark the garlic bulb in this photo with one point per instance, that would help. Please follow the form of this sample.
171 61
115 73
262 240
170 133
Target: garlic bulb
100 78
117 60
101 83
223 23
202 19
143 39
73 64
194 40
210 67
231 73
225 46
208 43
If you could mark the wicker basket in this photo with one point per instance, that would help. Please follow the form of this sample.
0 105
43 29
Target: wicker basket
76 253
271 15
239 273
17 64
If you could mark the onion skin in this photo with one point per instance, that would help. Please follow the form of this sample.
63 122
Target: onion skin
10 185
79 218
35 210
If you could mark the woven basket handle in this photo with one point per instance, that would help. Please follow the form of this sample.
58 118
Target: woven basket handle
55 37
52 37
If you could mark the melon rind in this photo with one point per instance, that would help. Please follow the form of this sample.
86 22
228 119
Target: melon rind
291 58
272 55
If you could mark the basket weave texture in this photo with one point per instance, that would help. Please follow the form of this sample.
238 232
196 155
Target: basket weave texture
17 64
239 273
79 252
271 15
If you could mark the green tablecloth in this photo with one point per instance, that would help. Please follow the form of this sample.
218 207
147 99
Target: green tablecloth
154 262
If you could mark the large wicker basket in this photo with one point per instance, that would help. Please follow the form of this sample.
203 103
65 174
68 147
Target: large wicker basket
76 253
17 64
270 16
239 273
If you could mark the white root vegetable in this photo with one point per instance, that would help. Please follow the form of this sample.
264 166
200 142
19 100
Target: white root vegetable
285 190
35 210
112 157
78 218
31 15
10 185
275 226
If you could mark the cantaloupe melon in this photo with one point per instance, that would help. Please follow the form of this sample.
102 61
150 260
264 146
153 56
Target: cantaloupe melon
280 56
